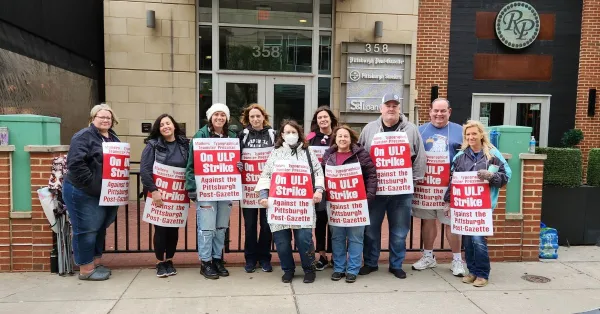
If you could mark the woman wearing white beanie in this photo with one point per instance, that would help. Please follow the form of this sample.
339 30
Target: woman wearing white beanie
212 218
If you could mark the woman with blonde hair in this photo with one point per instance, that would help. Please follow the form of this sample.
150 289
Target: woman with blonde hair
478 154
81 192
256 135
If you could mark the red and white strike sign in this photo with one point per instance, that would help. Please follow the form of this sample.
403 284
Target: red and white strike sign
390 152
174 211
470 205
115 174
291 194
215 169
430 193
319 151
346 196
254 160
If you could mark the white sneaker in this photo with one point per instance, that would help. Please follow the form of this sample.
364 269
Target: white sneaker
424 263
458 268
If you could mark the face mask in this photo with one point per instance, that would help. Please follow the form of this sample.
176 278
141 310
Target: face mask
291 139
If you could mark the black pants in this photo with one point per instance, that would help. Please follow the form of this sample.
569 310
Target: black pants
257 250
322 231
165 241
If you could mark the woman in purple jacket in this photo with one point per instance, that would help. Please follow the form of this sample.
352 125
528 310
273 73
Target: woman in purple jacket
344 150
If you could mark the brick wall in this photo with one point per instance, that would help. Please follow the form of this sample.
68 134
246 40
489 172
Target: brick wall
589 77
4 210
433 49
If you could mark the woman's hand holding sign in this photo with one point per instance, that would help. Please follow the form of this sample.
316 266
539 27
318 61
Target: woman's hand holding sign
317 196
264 203
157 198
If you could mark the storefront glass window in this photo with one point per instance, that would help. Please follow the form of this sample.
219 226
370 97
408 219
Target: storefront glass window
325 10
288 101
205 96
325 91
253 49
238 96
491 112
205 58
205 11
325 53
267 12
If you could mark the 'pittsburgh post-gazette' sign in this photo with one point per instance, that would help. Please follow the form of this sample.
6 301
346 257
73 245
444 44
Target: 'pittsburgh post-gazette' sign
517 25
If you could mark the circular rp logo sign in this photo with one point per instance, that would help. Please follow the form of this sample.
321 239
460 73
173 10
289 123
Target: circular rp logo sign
354 75
517 25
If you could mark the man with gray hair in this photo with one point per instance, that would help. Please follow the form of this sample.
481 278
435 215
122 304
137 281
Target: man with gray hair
442 140
396 148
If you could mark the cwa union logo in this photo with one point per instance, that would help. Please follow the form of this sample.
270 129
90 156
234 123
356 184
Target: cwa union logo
517 25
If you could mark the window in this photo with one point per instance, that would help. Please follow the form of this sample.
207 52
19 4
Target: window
281 13
205 43
205 11
205 96
324 92
325 53
326 9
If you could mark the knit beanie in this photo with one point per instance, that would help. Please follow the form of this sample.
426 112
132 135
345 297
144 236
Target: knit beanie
217 107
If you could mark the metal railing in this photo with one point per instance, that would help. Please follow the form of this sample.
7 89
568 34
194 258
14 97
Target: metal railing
138 233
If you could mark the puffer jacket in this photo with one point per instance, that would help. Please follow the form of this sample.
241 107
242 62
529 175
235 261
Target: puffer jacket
360 156
465 161
156 150
251 138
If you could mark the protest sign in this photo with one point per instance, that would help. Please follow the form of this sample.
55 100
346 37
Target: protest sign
470 205
254 160
291 194
346 196
430 193
319 151
115 174
390 152
174 211
215 169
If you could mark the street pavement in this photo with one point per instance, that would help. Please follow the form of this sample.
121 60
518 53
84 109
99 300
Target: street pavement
574 287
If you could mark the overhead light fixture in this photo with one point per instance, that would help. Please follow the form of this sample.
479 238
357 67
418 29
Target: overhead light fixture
303 21
208 57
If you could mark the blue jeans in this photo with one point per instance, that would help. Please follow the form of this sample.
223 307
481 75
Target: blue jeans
304 243
398 214
89 221
476 254
212 220
257 250
354 237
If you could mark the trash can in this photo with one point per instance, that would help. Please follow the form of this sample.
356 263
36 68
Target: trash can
513 140
23 130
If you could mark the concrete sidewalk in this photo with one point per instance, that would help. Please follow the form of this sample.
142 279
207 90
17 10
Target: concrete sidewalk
574 287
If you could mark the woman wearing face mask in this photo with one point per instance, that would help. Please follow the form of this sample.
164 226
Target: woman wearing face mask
345 150
478 154
291 145
321 127
257 134
212 217
166 145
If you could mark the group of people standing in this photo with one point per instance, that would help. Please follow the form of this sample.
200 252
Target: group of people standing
355 249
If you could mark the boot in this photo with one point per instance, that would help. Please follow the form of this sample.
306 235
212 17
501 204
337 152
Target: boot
208 270
220 268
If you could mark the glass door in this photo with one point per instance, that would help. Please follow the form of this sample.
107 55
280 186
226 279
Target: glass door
237 92
289 98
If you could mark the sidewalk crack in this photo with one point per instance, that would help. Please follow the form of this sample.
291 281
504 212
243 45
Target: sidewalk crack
129 285
464 295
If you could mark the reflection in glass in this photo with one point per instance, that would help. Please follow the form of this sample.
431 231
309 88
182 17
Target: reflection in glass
324 91
205 96
530 115
325 53
288 103
205 11
205 48
491 113
265 49
326 10
238 96
282 13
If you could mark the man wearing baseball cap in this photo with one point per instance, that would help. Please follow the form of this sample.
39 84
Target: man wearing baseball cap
397 203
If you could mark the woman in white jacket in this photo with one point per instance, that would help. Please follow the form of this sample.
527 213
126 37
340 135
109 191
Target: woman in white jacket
291 144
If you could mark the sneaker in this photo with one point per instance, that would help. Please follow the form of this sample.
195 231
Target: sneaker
424 263
365 270
171 271
250 267
399 273
470 278
458 268
287 277
161 270
337 276
266 266
350 278
309 277
480 282
221 270
322 263
208 270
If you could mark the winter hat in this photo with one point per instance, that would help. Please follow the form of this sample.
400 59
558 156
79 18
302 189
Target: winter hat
217 107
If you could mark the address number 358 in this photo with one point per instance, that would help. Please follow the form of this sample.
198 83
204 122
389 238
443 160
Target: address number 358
266 51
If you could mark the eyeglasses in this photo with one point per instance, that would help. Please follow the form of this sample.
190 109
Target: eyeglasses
104 118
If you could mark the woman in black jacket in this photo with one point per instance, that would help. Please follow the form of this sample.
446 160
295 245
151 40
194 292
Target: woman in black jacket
166 145
82 189
344 150
257 134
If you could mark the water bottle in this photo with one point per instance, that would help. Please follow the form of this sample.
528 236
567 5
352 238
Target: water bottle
532 145
548 243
